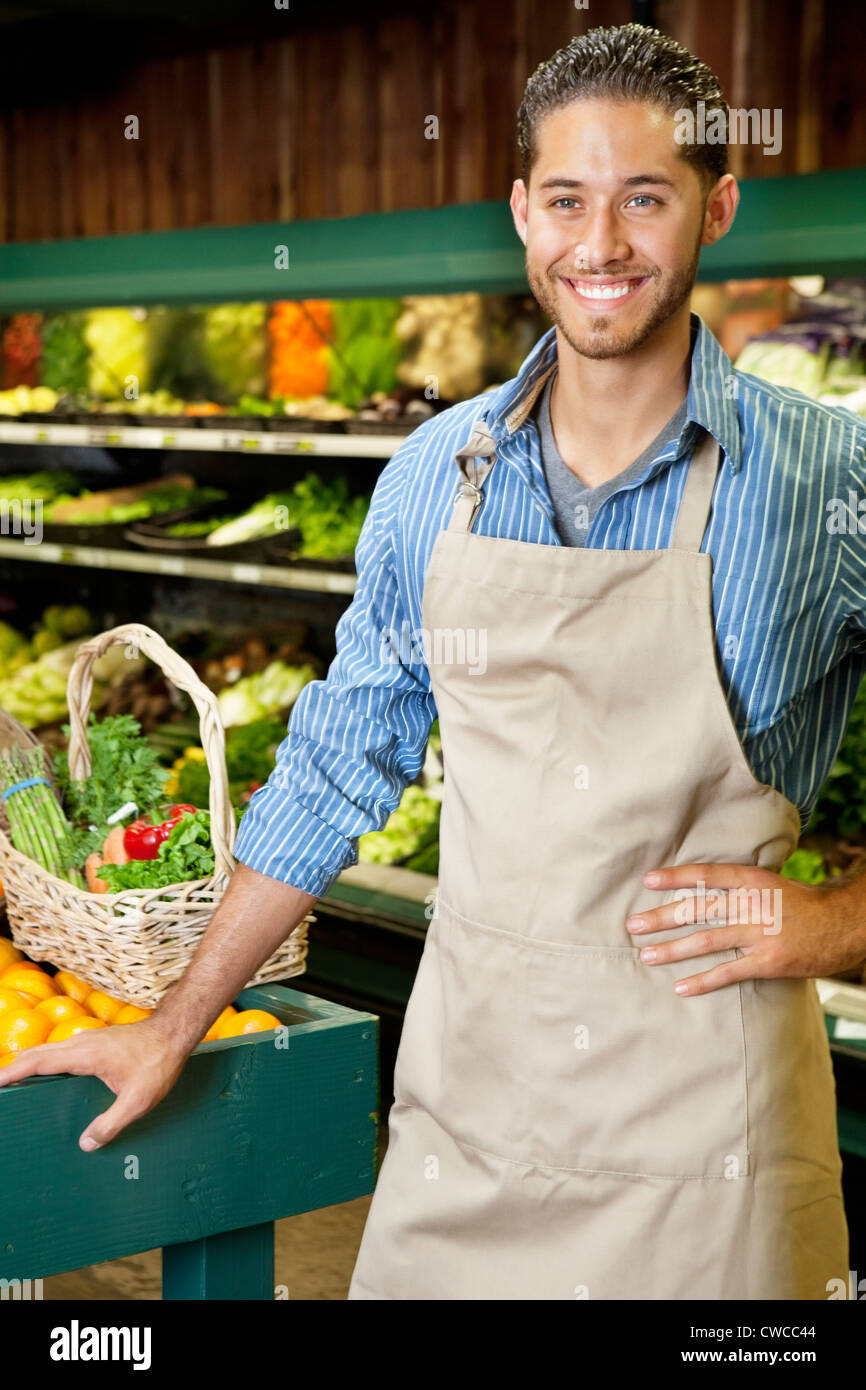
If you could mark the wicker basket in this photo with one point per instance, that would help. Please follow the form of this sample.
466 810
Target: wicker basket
136 943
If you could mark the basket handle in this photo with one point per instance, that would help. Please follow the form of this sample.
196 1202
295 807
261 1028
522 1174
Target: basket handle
79 690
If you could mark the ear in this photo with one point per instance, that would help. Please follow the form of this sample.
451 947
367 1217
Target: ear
518 205
721 209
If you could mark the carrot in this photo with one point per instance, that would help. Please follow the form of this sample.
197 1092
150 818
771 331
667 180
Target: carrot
93 862
113 851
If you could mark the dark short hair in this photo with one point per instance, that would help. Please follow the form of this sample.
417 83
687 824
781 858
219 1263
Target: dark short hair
626 62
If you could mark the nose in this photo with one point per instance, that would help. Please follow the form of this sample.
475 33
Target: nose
602 240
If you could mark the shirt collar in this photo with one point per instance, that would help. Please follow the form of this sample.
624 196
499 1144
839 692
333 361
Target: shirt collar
711 400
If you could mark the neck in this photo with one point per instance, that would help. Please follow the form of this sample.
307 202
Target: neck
604 413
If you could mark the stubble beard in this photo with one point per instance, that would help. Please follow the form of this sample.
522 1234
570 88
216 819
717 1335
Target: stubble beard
603 339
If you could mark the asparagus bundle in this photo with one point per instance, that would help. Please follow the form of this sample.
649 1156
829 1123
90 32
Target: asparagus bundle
36 822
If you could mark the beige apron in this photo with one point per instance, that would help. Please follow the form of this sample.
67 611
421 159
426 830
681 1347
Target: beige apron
565 1125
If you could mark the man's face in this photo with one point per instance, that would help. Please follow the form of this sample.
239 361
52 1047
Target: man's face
610 203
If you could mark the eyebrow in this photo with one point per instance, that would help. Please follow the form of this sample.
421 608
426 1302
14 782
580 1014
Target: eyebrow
658 179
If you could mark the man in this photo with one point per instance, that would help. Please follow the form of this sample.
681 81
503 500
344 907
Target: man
672 645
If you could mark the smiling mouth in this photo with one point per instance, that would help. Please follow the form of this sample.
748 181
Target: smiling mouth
605 291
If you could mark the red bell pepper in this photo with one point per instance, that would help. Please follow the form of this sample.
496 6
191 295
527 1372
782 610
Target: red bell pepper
142 839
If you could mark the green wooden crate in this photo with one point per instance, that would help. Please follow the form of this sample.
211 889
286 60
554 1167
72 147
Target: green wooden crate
250 1133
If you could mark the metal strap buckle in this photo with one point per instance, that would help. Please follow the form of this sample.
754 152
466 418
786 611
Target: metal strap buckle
466 487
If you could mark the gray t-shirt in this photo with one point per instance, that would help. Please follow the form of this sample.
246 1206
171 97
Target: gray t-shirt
575 504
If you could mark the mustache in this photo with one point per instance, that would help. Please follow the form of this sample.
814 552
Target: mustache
570 273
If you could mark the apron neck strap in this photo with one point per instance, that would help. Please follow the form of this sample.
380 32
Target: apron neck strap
474 461
698 494
478 456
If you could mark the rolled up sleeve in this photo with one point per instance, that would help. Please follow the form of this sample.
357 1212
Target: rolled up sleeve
356 739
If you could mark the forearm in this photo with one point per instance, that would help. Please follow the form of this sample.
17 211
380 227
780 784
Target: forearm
846 899
255 916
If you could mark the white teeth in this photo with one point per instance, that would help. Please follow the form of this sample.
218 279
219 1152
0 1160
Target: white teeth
601 291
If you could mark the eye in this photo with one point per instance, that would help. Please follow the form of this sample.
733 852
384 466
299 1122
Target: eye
646 198
559 201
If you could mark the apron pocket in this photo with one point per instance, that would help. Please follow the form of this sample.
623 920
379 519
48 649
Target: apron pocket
575 1057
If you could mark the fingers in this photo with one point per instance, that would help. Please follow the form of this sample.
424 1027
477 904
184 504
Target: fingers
728 973
702 943
729 893
128 1106
712 875
47 1059
680 913
80 1058
138 1071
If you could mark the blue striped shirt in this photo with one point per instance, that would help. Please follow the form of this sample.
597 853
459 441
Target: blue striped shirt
789 598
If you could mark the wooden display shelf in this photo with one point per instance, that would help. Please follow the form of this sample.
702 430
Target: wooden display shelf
251 1132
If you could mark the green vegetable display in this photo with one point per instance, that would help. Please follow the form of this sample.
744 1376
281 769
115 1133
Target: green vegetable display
35 693
235 349
805 865
124 767
788 363
256 696
47 486
162 499
841 806
329 519
14 649
426 861
261 519
118 341
250 755
20 398
146 403
68 621
65 355
177 347
59 624
366 352
258 405
413 826
186 854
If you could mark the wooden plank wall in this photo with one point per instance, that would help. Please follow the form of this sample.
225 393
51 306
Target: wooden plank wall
330 122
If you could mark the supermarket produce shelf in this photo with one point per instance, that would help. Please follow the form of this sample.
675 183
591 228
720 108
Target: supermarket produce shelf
386 893
151 562
326 445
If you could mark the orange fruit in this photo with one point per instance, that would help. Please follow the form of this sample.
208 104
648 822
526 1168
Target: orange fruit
9 953
30 979
103 1005
131 1013
69 1026
16 999
71 985
7 1057
248 1021
31 965
20 1028
228 1012
60 1007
